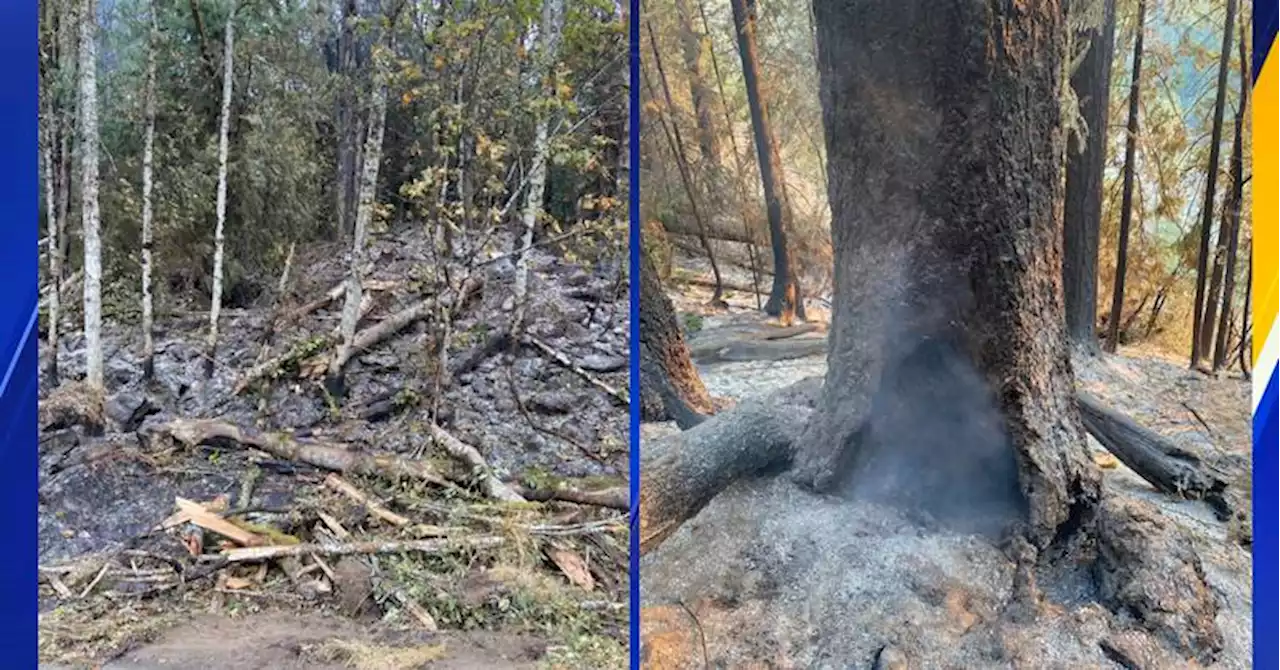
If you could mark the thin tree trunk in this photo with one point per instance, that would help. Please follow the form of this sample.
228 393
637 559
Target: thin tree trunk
364 216
89 195
741 174
148 145
671 130
1126 199
347 161
215 303
693 46
1246 341
785 299
1082 208
1204 308
552 17
53 225
1231 218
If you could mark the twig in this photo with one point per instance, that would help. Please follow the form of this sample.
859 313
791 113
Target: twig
1200 419
101 573
617 497
346 488
564 360
702 635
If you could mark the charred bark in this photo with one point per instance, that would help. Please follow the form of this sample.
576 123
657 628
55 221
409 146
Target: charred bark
1086 161
1126 198
784 298
669 384
1204 308
941 136
1231 218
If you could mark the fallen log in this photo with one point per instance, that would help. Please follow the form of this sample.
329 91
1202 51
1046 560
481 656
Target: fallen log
577 369
683 472
489 483
1155 458
756 350
327 455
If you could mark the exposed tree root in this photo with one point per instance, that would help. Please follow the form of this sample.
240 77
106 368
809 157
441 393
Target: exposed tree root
684 472
614 498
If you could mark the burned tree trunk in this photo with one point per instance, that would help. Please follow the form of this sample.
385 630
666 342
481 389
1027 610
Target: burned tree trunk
1205 307
1082 208
1231 217
784 298
942 133
669 384
1126 197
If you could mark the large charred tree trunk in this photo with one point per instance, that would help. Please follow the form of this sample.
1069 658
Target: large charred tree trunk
1205 307
1082 209
944 158
670 388
1126 197
784 297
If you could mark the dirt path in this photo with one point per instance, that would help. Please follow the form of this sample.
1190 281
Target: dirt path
288 641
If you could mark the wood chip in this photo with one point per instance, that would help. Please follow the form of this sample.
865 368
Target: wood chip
212 522
573 567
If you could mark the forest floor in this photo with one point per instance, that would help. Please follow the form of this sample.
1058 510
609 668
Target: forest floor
132 580
770 576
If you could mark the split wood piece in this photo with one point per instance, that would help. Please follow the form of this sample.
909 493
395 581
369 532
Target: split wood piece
576 369
416 611
217 506
1155 458
490 484
329 456
207 520
683 472
346 488
617 497
432 546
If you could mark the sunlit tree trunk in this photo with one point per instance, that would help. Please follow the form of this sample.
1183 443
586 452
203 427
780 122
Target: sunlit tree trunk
1206 307
1126 199
215 303
549 38
53 227
89 195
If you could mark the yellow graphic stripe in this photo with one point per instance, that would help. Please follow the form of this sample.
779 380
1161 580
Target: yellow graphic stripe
1265 211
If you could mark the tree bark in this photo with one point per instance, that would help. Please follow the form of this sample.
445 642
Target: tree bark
669 384
671 130
943 145
1205 307
348 121
89 195
693 46
53 227
1126 199
785 299
1086 163
549 36
148 153
224 126
1231 218
364 217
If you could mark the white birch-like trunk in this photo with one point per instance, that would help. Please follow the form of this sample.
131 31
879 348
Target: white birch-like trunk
148 144
215 304
552 13
53 224
89 195
372 156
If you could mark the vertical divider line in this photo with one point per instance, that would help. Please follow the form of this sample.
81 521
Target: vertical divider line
633 195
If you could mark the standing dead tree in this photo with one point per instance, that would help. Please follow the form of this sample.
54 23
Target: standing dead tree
1126 198
1205 306
671 130
88 140
1231 215
785 299
148 156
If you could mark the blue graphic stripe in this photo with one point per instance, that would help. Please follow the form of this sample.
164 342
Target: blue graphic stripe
634 209
1266 552
1264 32
19 198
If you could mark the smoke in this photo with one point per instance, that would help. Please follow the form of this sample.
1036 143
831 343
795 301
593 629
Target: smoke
936 443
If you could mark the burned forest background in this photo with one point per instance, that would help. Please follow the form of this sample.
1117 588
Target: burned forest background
334 318
1185 263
